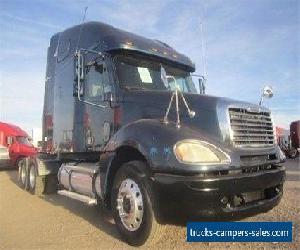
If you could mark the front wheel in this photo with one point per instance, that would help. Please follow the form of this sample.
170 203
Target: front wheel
132 205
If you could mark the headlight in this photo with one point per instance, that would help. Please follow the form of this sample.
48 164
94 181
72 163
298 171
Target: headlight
197 152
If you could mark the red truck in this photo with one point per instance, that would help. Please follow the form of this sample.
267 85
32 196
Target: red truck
289 140
16 142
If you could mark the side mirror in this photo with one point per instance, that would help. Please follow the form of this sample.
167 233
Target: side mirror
164 77
78 87
201 81
9 140
267 93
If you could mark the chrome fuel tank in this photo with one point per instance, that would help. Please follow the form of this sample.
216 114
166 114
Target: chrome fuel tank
81 178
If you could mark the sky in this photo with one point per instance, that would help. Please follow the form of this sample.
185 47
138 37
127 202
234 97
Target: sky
247 44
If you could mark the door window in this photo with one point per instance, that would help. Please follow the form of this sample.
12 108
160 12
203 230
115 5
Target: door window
96 83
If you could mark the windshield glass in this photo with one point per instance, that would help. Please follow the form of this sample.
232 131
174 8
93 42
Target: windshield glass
23 140
145 74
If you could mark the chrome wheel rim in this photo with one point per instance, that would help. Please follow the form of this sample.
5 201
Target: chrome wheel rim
20 170
130 205
23 173
32 177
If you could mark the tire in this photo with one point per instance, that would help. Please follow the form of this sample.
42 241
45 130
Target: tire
36 184
22 177
293 153
145 228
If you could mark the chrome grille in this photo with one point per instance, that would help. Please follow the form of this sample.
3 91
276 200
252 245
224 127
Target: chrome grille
251 128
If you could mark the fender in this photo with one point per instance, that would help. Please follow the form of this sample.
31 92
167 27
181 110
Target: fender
148 137
151 138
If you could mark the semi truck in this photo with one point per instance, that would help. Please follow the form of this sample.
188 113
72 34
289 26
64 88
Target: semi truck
15 145
289 140
295 138
125 126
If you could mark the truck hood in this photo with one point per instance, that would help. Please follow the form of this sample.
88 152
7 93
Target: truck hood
211 118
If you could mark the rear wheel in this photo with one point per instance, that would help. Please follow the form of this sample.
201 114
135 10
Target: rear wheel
22 173
132 205
35 183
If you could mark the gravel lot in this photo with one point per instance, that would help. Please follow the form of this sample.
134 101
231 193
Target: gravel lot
56 222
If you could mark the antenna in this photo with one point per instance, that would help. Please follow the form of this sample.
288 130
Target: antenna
83 19
203 51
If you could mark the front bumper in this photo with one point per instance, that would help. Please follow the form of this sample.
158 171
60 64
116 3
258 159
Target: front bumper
215 197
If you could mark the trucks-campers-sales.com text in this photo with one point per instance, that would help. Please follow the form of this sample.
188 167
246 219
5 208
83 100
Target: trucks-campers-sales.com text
240 233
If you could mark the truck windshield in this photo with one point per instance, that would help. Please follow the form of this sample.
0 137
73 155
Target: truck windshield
140 73
23 140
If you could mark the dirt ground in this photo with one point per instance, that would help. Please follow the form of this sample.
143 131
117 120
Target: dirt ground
56 222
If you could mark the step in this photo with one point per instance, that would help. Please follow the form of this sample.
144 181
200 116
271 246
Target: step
83 198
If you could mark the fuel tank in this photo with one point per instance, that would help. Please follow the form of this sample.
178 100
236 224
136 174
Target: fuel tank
82 178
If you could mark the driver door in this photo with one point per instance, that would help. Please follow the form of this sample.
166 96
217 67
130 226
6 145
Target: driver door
98 115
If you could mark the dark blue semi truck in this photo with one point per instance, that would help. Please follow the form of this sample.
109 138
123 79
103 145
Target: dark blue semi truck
124 125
